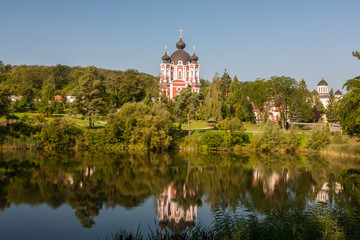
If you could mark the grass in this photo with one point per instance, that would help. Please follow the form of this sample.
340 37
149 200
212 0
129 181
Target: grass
312 222
351 148
194 125
82 123
251 127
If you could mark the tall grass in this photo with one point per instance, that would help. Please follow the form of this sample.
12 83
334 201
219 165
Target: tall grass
313 222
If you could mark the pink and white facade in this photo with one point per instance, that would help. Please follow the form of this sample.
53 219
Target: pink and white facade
178 71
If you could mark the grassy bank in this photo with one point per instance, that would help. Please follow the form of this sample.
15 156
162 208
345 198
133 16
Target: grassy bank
313 222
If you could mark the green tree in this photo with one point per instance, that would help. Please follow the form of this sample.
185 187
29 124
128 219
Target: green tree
356 54
331 109
302 110
140 126
4 100
317 106
189 102
89 94
214 99
282 94
349 107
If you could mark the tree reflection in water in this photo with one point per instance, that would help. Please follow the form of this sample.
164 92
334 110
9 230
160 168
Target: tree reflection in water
182 182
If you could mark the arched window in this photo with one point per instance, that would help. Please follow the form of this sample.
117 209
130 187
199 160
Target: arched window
179 76
187 74
172 74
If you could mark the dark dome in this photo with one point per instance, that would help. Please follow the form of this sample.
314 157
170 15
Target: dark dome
180 44
338 92
323 83
165 58
180 55
194 58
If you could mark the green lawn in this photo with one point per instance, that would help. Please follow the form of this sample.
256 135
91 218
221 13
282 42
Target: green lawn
79 122
200 124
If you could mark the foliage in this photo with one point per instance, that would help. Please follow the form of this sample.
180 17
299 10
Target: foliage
58 134
292 141
282 94
319 137
4 100
270 137
331 108
141 126
212 139
89 93
188 102
98 139
349 107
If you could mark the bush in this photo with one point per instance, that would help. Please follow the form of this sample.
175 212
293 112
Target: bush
58 134
140 126
99 138
212 140
319 137
337 137
270 138
292 141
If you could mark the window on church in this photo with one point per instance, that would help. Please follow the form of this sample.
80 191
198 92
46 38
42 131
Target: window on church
172 74
187 74
179 76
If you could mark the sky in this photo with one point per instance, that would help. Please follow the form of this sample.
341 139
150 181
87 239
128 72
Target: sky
304 39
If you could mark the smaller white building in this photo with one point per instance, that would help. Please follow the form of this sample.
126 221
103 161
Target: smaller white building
323 92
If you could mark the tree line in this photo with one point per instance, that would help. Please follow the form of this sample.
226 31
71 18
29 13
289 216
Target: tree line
100 92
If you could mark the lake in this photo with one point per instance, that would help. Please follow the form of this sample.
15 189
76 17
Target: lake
89 195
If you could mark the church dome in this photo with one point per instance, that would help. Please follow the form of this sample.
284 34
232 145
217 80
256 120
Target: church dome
180 44
165 58
338 93
194 58
323 83
180 55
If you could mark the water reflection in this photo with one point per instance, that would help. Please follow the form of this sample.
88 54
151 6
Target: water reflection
171 213
181 182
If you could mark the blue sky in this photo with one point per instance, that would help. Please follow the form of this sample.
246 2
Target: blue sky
252 39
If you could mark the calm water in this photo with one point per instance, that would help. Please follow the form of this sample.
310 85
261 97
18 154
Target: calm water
88 195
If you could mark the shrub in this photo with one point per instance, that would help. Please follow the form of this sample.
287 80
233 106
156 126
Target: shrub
292 141
140 126
212 140
58 134
99 138
337 137
319 137
270 138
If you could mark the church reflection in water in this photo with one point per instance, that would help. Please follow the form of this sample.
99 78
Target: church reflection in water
173 215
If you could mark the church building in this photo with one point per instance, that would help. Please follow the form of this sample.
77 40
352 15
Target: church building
323 92
178 71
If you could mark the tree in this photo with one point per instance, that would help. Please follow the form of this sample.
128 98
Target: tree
4 100
89 93
349 107
302 108
130 87
189 102
139 125
331 111
282 94
317 106
226 82
258 93
356 54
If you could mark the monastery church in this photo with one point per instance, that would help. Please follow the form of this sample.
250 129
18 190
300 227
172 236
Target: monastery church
323 92
179 71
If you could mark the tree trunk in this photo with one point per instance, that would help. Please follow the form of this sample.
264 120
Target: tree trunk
188 118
